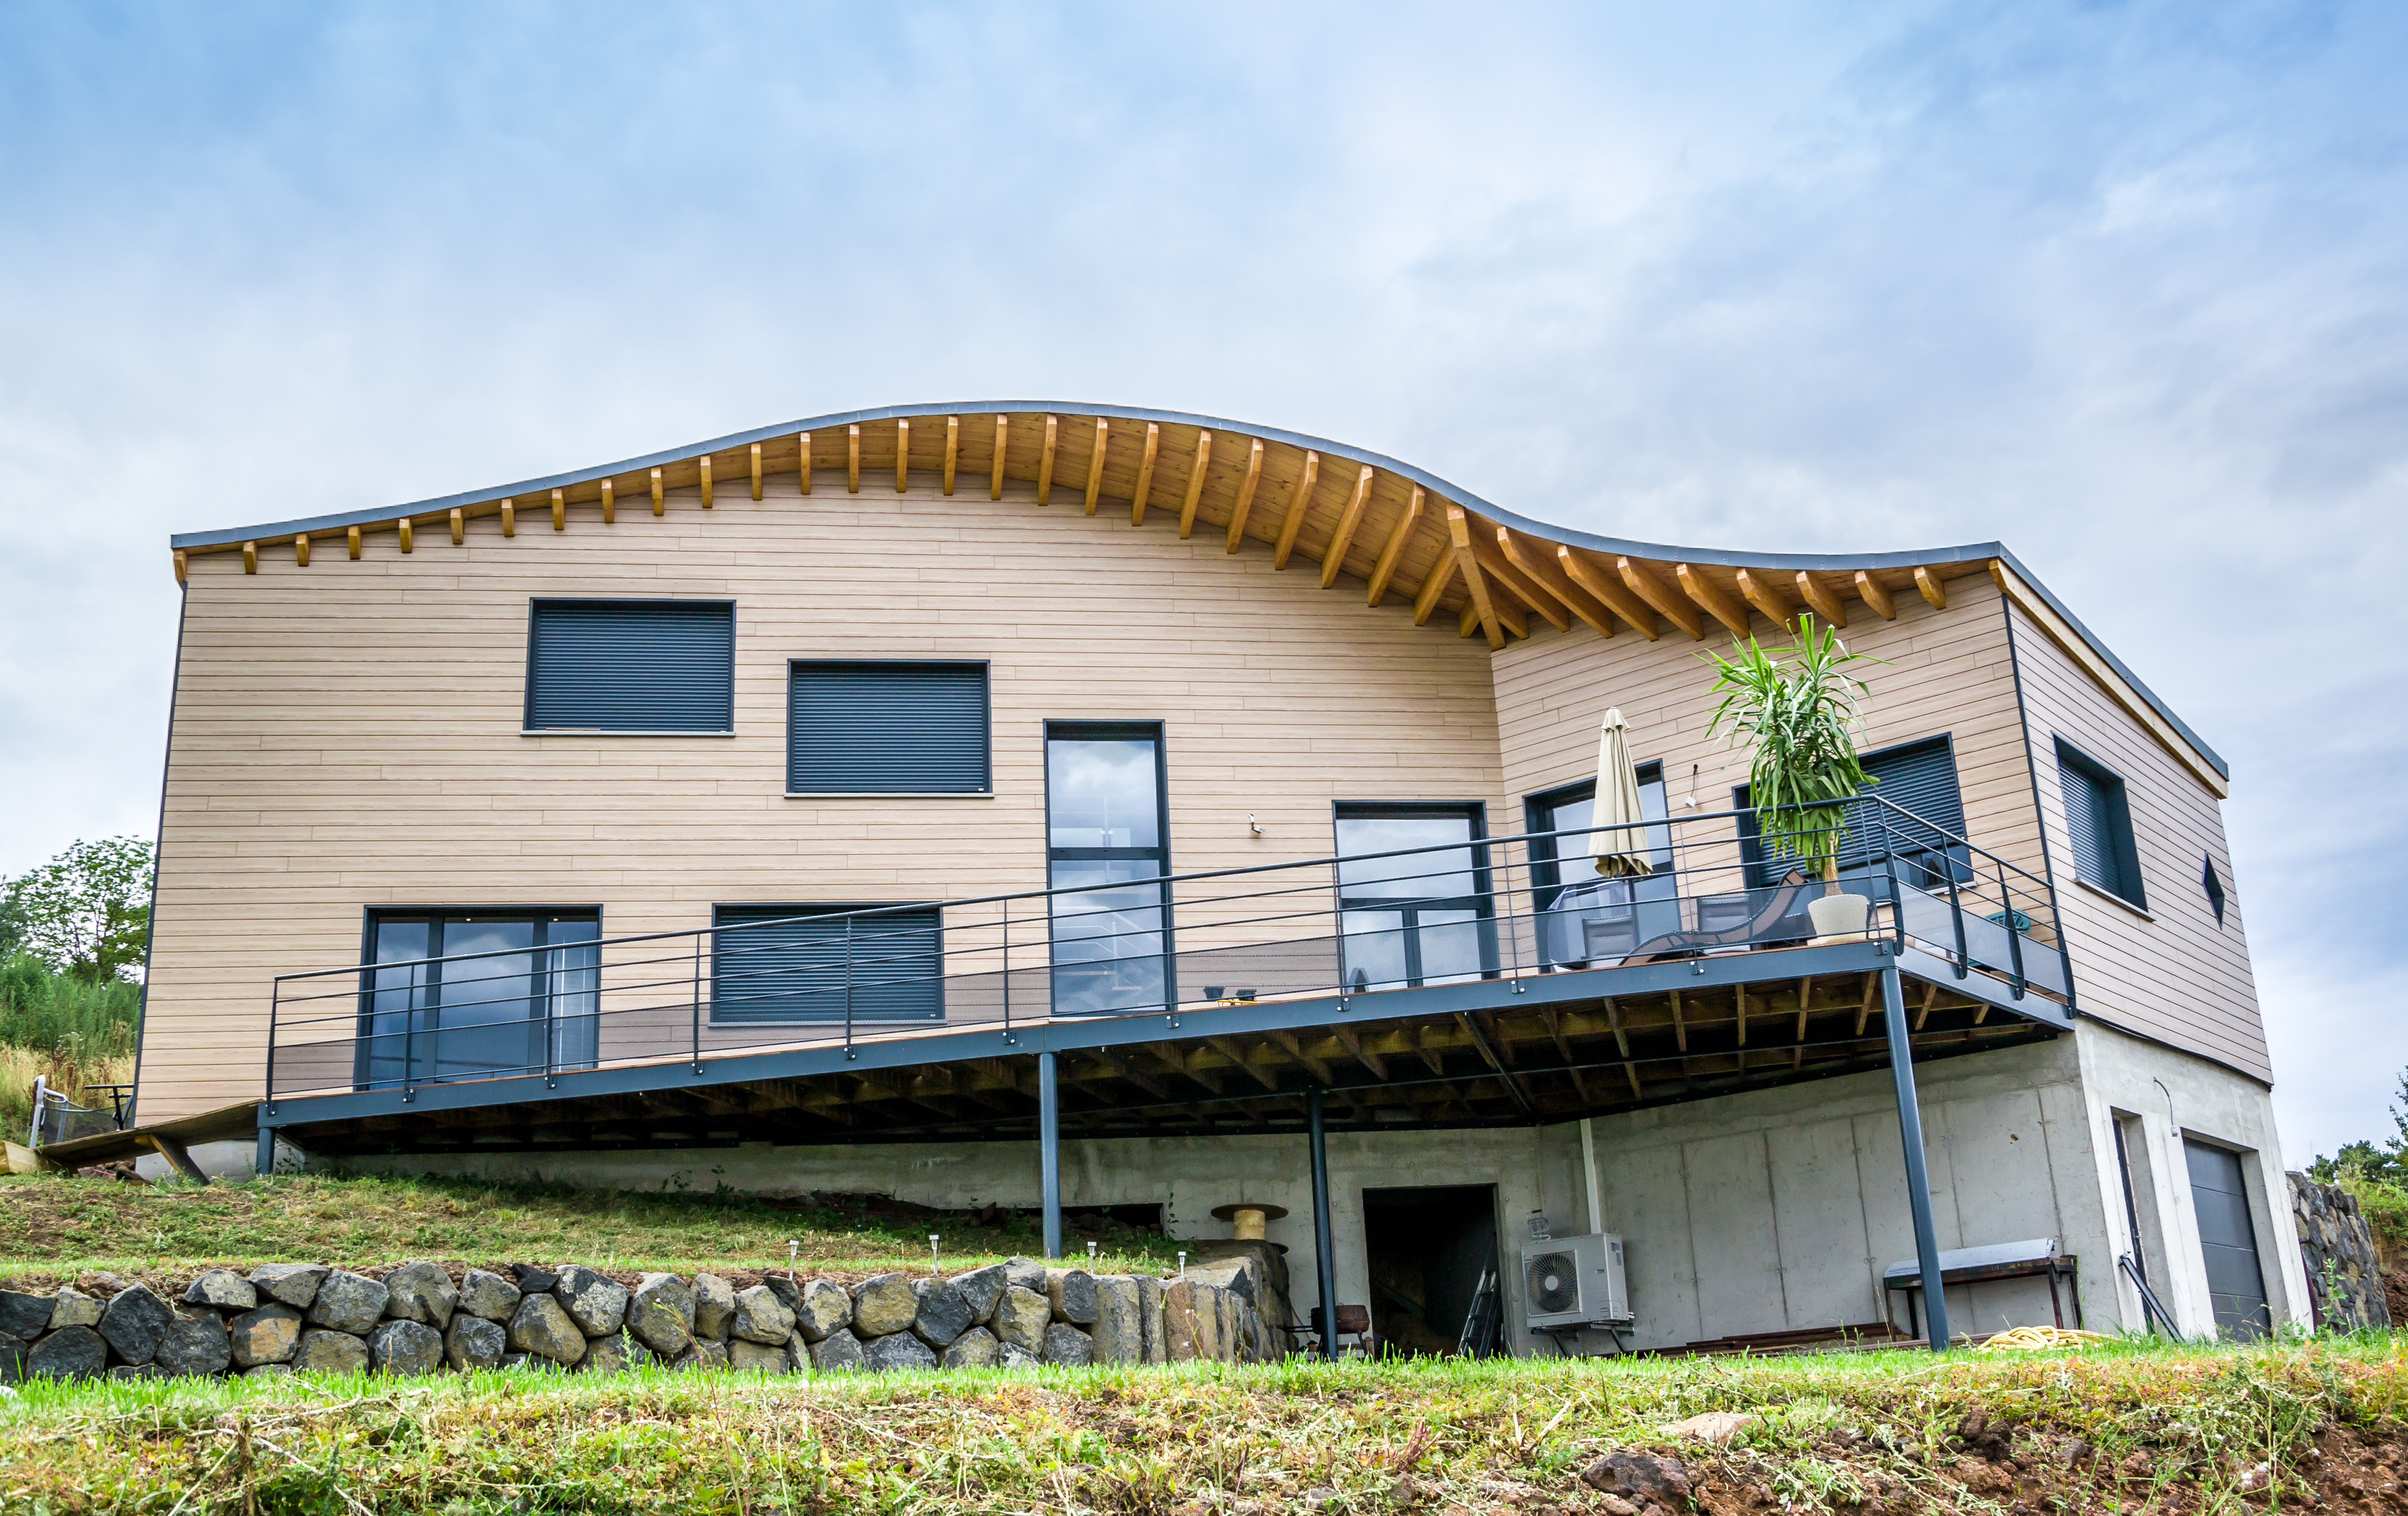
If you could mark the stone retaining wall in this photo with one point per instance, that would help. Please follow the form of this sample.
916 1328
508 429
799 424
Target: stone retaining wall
422 1317
2345 1275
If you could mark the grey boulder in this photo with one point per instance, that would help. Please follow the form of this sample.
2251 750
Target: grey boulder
661 1314
348 1302
981 1288
897 1351
1073 1291
422 1293
1067 1344
222 1289
882 1304
706 1353
71 1353
759 1357
326 1352
295 1284
484 1292
827 1308
612 1354
762 1317
840 1353
595 1302
974 1349
1118 1334
943 1314
406 1347
1012 1355
73 1308
542 1328
12 1357
134 1322
25 1316
195 1344
268 1371
714 1305
1028 1273
474 1342
1022 1318
265 1335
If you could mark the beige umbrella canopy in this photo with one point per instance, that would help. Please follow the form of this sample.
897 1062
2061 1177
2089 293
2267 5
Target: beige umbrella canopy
1620 848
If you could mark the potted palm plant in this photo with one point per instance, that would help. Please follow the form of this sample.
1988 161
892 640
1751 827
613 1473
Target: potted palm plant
1797 710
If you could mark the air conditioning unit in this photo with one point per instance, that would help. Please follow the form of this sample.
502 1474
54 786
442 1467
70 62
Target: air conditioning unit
1574 1281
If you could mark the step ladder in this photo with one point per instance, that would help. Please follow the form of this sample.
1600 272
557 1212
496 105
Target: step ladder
1480 1322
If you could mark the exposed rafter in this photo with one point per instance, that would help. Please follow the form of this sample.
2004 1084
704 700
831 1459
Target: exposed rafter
902 454
660 501
1928 583
1095 463
953 450
1767 597
1440 574
1873 593
1608 590
803 461
704 464
1195 484
1458 531
1144 474
1820 600
1002 450
1709 596
1333 558
459 534
1394 547
610 503
1543 569
1045 461
1245 505
853 459
755 451
1299 504
1669 602
509 525
1498 571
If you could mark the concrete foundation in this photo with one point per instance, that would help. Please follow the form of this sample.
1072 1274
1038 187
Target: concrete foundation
1775 1210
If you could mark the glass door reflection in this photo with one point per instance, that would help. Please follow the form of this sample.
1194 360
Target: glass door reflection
1425 918
526 1002
1105 843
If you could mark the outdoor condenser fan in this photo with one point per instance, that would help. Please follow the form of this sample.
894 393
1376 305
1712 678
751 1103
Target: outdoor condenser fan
1552 1285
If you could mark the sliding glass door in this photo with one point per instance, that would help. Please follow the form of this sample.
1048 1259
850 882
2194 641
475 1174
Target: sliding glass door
1423 918
1107 843
526 1004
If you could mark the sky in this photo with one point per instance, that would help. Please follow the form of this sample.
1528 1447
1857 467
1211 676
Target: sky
2125 286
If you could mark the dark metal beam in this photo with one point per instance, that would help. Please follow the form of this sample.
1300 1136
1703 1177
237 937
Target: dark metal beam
1918 1179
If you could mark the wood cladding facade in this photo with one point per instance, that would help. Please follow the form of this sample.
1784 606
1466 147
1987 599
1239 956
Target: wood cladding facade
347 734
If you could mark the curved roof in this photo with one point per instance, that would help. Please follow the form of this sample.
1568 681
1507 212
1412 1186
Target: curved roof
1359 514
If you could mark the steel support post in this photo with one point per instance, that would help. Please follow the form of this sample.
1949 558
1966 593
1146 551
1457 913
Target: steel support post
1918 1178
1324 1248
1049 1151
265 1162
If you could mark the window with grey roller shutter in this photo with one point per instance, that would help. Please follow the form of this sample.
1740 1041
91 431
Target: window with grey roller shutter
796 964
2099 822
886 727
631 666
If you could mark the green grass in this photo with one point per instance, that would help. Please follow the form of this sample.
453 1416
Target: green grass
55 1226
72 1031
2122 1426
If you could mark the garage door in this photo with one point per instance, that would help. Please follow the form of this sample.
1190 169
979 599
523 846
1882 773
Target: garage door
2235 1283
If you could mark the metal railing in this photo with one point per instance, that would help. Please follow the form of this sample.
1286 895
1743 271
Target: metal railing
1346 927
57 1118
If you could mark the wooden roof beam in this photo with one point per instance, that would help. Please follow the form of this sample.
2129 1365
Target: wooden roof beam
1873 593
1766 596
1546 571
1928 583
1045 461
1095 463
1333 558
1820 600
1642 582
1709 596
1607 589
1245 505
802 462
1458 531
756 453
1516 623
1493 564
1441 573
902 453
952 448
1144 473
704 463
853 459
1002 446
1297 504
1395 547
1195 484
660 501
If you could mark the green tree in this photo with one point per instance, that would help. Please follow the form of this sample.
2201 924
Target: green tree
2384 1161
86 912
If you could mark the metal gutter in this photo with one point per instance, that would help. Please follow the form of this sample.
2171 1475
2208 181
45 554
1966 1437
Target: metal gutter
1828 562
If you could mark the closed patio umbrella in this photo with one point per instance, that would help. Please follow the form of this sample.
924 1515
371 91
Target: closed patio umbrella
1621 847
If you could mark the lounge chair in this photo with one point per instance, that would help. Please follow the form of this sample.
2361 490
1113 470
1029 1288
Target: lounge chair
1785 901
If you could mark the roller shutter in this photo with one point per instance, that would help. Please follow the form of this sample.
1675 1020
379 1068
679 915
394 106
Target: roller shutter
631 666
886 728
798 969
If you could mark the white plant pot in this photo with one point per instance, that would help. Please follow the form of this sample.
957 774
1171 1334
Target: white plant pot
1839 915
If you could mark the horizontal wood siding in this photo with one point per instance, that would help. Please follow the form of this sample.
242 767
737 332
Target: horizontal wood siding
348 734
1942 672
2178 977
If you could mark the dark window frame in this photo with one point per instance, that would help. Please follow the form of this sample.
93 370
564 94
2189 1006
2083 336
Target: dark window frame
986 722
1857 858
1482 902
1074 729
2121 842
899 911
374 916
1546 861
527 726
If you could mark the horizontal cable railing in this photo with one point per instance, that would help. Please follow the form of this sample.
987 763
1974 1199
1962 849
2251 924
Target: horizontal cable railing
1347 926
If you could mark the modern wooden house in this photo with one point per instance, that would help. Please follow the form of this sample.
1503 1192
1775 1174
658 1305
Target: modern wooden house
1038 805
